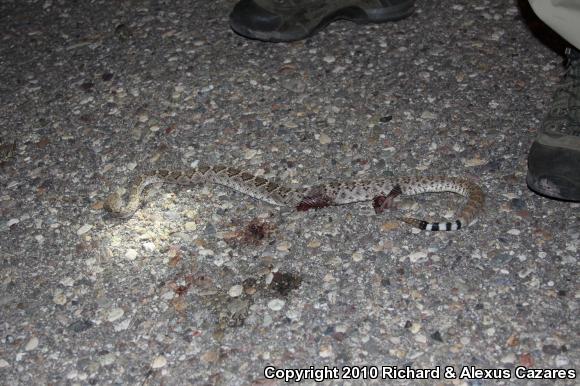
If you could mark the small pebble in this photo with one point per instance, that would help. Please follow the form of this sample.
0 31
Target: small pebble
158 362
509 358
168 295
107 359
206 252
313 244
149 246
526 360
114 314
84 229
514 232
517 204
235 290
550 349
3 363
190 226
123 325
428 115
210 356
80 325
143 117
67 282
420 338
131 254
284 246
250 153
562 361
525 273
324 139
325 351
59 298
416 256
295 85
32 344
276 304
357 256
293 314
329 59
437 336
415 328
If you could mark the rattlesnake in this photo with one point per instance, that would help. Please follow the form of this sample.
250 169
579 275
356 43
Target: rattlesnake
381 190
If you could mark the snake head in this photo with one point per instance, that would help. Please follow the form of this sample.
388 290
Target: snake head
117 207
113 203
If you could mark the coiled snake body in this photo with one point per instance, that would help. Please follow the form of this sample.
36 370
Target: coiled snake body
381 191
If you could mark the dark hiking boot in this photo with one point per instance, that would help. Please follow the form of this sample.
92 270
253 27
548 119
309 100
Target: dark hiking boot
288 20
554 159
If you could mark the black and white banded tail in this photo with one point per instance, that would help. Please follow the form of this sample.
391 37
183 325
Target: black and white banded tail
433 226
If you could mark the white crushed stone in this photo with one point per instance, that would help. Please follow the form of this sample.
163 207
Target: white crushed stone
509 358
32 344
206 252
67 282
149 246
415 327
329 59
250 153
59 297
284 246
107 359
276 304
158 362
421 338
115 313
235 290
123 325
562 361
428 115
131 254
190 226
325 351
324 139
416 256
84 229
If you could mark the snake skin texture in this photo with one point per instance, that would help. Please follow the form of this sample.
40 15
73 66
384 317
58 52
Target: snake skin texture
381 190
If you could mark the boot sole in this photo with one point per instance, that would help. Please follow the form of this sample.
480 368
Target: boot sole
553 187
355 14
554 171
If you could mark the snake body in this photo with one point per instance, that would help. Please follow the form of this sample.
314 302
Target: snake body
381 190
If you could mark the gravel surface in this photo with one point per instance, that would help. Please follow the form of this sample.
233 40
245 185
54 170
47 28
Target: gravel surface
206 286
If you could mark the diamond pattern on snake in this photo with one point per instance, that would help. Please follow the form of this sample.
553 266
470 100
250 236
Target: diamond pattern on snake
381 191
